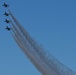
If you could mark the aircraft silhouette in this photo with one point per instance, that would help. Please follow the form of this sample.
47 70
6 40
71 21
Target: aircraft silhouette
8 28
7 21
6 14
5 5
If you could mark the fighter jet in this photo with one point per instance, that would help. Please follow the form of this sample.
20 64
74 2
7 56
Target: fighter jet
6 14
8 28
5 5
7 21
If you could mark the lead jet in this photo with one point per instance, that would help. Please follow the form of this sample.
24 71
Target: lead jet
5 5
7 21
6 14
8 28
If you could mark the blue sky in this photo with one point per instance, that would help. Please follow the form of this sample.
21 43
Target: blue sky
50 22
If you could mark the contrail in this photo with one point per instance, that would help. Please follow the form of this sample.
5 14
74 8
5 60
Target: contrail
21 36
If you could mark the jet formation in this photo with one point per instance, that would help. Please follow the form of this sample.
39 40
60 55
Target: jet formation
6 14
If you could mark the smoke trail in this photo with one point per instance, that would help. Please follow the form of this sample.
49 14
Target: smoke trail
42 53
33 59
31 41
38 63
38 51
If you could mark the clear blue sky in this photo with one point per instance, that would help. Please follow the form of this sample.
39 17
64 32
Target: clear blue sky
51 22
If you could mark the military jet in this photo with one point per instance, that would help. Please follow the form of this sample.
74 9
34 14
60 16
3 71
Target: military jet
8 28
7 21
5 5
6 14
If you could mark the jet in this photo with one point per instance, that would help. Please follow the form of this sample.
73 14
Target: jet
5 5
6 14
7 21
8 28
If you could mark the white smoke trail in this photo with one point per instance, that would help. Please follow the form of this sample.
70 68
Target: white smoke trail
37 62
52 63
